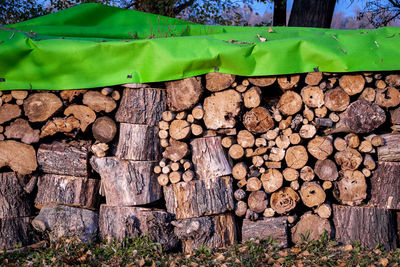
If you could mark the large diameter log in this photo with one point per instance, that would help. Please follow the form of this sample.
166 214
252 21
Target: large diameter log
385 186
209 158
52 159
131 222
284 200
67 190
20 157
184 94
218 81
258 120
41 106
141 106
199 197
67 222
387 97
16 232
127 183
138 142
310 226
290 103
369 226
352 84
277 228
390 151
216 231
221 109
351 188
312 194
15 202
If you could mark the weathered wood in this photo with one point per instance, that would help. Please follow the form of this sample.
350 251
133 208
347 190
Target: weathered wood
313 78
312 96
216 231
199 197
288 82
312 226
67 190
19 94
290 103
127 183
307 173
252 97
320 147
369 226
61 221
176 150
387 97
258 120
15 232
59 125
141 106
104 129
216 81
390 151
183 94
348 159
272 180
312 194
385 186
69 95
52 159
368 94
336 99
84 114
326 170
324 211
351 188
20 157
9 112
257 201
284 200
131 222
296 157
236 152
352 84
352 140
98 102
262 81
20 129
39 107
15 202
138 142
277 228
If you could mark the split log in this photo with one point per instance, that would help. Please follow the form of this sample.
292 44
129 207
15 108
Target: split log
312 194
284 200
296 157
184 94
313 78
131 222
221 109
272 180
59 125
138 142
369 226
104 129
385 186
326 170
257 201
215 232
141 106
252 97
16 232
67 222
39 107
258 120
20 157
288 82
52 159
310 226
176 151
84 114
98 102
262 81
69 95
199 197
9 112
312 96
179 129
351 188
15 202
275 228
320 147
20 129
209 158
387 97
352 84
390 151
290 103
127 182
67 190
336 99
349 159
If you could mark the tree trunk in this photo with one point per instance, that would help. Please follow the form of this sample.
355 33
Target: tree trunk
16 231
279 13
277 228
131 222
127 183
199 197
312 13
14 201
385 185
368 225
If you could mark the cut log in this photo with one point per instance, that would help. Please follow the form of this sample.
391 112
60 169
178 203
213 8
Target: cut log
369 162
184 94
262 81
141 106
284 200
352 140
196 129
312 194
340 144
214 232
20 129
349 159
351 188
19 94
365 146
15 232
282 141
310 226
199 197
253 184
336 99
313 78
290 174
131 222
179 129
312 96
188 175
9 112
52 159
135 85
252 97
163 179
307 173
385 186
390 151
307 131
67 190
104 129
20 157
228 141
295 139
175 177
198 112
239 171
236 152
276 154
272 180
67 222
59 125
296 157
15 202
98 102
245 139
258 120
320 147
176 151
321 112
84 114
368 94
393 79
239 194
127 182
268 213
308 114
290 103
138 142
288 82
324 211
275 228
240 208
352 84
387 97
326 170
218 81
257 201
39 107
209 158
367 225
69 95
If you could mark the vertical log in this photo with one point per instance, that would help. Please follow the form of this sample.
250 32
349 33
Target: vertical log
385 185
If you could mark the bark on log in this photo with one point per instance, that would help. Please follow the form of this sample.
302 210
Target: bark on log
215 232
67 190
277 228
368 225
141 106
218 81
104 129
184 94
52 159
312 226
132 222
67 222
385 186
258 120
41 106
351 188
284 200
138 142
176 150
16 231
390 151
15 202
98 102
199 197
20 129
127 183
20 157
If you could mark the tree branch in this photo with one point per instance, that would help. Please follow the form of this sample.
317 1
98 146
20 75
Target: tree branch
182 6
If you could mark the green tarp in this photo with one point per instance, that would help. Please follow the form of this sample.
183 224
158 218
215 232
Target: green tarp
92 45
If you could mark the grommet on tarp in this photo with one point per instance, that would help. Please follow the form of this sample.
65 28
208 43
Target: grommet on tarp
2 80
